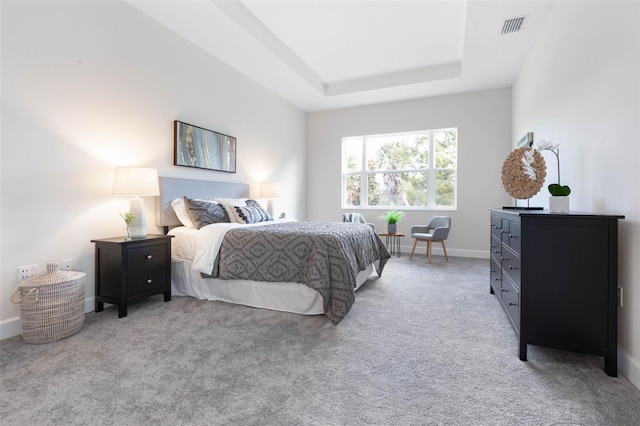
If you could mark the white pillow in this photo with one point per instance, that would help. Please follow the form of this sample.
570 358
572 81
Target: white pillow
181 212
237 202
247 214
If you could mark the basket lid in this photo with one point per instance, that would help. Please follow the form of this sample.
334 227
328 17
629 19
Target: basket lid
52 276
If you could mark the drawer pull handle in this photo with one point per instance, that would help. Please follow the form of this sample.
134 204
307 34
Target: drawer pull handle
511 267
513 304
496 279
149 281
496 251
504 289
149 256
496 227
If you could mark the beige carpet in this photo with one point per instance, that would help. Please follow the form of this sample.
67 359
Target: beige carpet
424 344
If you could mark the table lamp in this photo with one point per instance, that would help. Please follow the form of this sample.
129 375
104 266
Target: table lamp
136 182
270 190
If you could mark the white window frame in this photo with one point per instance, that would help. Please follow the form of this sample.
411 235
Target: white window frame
430 170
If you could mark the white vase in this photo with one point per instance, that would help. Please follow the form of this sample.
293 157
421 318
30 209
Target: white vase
559 204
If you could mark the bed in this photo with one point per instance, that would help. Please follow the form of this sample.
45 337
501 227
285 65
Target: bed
307 268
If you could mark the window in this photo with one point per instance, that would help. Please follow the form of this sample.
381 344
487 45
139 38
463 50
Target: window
402 170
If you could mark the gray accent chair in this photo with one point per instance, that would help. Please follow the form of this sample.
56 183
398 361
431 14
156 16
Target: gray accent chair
356 218
436 230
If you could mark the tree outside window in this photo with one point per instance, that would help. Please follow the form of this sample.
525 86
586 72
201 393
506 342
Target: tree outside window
413 169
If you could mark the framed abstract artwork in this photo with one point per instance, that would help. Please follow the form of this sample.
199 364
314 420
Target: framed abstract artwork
202 148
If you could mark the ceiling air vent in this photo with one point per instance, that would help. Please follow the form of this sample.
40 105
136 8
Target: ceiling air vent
513 25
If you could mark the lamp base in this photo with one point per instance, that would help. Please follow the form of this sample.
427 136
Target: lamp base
138 227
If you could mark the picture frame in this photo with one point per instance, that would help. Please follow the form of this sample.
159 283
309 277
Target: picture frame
202 148
526 141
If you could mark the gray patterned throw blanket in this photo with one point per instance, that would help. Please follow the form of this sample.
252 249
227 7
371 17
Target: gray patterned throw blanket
325 256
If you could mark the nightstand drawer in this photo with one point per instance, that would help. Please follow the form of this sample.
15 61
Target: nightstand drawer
150 280
146 257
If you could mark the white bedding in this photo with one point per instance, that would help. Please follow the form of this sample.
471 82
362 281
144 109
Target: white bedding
193 251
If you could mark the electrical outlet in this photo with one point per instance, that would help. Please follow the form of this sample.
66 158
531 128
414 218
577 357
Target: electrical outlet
66 264
620 294
27 271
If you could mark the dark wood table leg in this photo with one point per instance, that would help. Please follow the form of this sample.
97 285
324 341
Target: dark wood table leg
611 363
523 350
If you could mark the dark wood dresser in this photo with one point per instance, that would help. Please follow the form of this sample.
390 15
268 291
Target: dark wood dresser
555 275
127 270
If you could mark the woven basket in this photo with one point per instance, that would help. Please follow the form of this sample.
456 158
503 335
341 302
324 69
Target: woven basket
51 305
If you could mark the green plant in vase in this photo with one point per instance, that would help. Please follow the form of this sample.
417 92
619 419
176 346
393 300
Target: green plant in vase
392 217
129 219
556 205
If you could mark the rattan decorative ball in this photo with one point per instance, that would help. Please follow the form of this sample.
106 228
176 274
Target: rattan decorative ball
516 182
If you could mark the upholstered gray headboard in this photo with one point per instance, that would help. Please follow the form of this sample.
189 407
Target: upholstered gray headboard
172 188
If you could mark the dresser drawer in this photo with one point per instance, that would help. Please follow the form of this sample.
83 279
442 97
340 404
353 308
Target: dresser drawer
504 230
510 234
146 257
496 247
511 266
512 238
149 280
495 226
495 275
511 301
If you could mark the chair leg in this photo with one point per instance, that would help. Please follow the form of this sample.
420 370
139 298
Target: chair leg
429 250
415 241
445 251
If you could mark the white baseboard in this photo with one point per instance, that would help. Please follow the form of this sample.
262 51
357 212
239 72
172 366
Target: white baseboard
11 326
629 367
89 305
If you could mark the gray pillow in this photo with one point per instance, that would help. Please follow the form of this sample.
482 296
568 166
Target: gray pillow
203 212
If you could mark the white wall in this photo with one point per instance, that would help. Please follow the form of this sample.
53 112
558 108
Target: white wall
580 88
483 120
87 86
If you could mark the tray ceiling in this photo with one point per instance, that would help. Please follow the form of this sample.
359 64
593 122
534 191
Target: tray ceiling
334 54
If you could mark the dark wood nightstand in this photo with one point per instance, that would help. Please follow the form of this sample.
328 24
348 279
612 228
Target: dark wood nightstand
127 270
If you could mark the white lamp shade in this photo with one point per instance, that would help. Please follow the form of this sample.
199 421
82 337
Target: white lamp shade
136 181
270 190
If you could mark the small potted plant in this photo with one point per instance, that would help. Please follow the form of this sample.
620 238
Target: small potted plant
392 217
559 200
129 219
